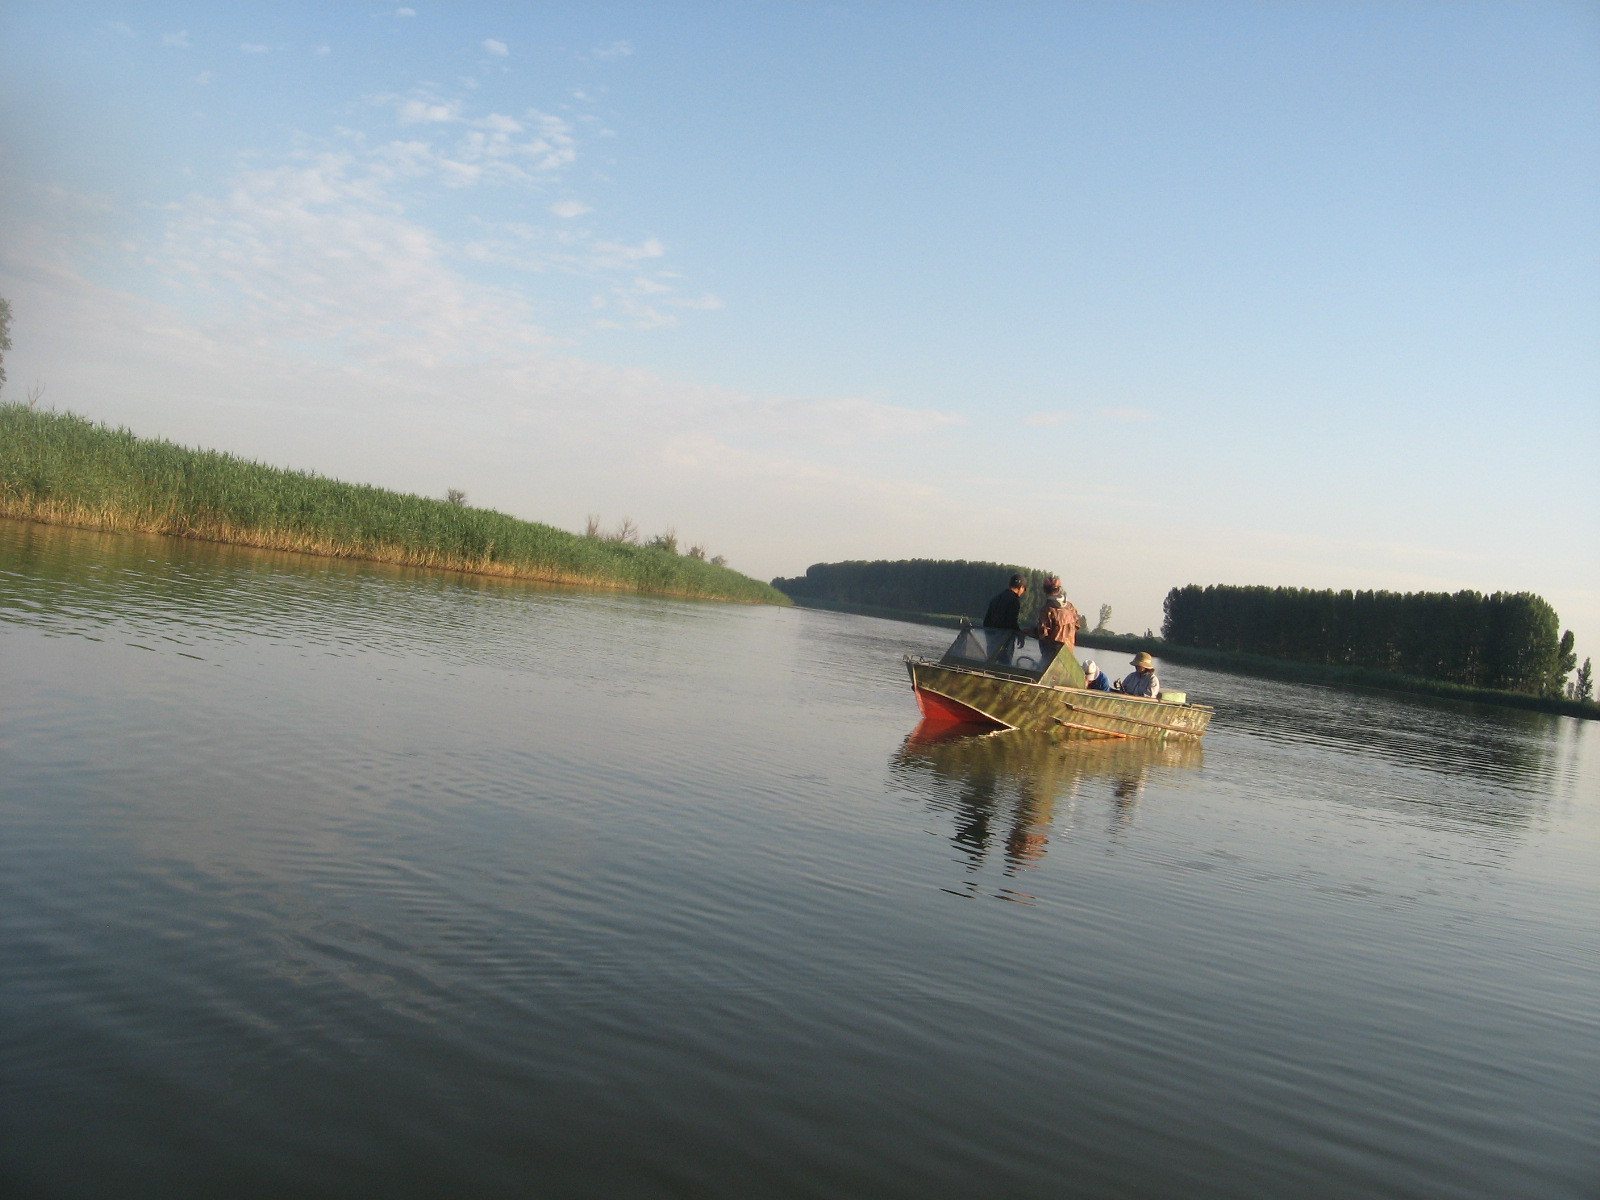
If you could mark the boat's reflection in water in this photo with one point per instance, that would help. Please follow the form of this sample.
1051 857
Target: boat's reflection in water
1009 791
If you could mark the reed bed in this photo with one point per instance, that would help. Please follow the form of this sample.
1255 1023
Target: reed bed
65 469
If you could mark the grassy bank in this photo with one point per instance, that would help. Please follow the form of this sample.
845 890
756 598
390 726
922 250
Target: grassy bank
1260 666
66 470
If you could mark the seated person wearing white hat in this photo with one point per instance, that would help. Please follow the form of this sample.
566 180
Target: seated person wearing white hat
1143 681
1094 678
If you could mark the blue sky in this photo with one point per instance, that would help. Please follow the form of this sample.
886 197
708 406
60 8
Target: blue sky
1148 294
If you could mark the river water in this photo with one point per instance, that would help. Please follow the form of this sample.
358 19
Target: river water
322 879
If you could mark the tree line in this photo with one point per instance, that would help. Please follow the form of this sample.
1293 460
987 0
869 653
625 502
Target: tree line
917 585
1511 641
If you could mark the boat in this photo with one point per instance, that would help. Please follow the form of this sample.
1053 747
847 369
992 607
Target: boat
1000 679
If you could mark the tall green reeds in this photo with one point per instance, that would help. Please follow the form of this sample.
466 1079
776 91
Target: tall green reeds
65 469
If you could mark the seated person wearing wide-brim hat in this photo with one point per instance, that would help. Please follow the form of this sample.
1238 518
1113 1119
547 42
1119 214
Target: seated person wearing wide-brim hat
1143 681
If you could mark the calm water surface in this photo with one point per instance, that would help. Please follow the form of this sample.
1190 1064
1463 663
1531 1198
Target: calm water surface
330 880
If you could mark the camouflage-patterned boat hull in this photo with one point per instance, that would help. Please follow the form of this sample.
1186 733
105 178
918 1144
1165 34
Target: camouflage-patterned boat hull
965 695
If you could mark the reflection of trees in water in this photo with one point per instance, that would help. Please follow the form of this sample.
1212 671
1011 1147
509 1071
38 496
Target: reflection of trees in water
79 582
1003 789
1503 756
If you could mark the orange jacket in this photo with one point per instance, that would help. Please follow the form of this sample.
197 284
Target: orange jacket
1058 623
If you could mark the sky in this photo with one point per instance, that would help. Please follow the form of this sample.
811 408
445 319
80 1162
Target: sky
1148 294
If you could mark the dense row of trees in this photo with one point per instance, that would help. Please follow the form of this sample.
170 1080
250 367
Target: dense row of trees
918 585
1506 640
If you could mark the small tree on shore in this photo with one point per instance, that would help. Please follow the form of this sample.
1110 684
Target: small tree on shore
1566 659
456 497
1582 688
1105 620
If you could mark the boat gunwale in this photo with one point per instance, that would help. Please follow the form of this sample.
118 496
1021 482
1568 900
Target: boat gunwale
1007 677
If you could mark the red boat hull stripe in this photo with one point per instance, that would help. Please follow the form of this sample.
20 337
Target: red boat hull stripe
941 708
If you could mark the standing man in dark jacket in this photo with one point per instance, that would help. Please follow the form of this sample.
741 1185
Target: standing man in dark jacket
1005 610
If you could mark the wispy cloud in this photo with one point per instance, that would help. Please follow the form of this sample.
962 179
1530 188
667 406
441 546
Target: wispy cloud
612 50
1113 416
180 39
404 12
316 252
636 291
496 48
619 254
254 48
849 420
496 148
414 111
301 250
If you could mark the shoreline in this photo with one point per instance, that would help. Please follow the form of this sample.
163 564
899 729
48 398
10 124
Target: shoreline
1261 667
395 556
65 470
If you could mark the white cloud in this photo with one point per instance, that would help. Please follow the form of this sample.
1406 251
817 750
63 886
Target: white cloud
706 302
415 112
638 294
498 49
848 420
179 39
405 12
323 50
203 78
495 150
613 50
314 252
1120 416
567 209
614 254
455 174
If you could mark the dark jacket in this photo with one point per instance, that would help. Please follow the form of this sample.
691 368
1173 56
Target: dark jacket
1005 611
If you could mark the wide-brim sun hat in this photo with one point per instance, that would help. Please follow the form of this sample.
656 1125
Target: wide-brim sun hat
1143 659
